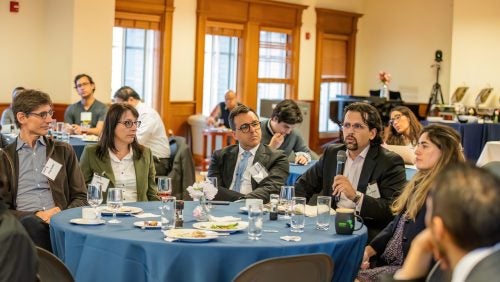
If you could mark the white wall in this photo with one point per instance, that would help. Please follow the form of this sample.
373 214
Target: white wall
50 41
476 44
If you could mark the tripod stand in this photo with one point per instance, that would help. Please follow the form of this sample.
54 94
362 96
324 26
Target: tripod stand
436 92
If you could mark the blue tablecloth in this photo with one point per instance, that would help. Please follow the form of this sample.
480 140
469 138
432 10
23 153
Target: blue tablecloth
474 136
124 253
297 170
78 145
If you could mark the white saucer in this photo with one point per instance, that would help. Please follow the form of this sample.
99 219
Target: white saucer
85 221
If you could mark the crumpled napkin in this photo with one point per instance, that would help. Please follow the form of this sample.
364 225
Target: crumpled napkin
224 218
146 214
311 211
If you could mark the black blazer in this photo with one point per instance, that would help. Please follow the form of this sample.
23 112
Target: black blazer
223 164
410 230
381 166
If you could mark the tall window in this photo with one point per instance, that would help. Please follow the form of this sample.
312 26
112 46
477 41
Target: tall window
274 65
333 77
220 69
134 61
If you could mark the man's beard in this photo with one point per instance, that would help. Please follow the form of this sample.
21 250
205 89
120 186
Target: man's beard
353 146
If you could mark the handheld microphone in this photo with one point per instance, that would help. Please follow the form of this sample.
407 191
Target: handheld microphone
341 158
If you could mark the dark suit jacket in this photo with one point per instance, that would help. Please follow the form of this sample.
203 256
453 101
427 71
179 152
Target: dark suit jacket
381 166
410 230
223 164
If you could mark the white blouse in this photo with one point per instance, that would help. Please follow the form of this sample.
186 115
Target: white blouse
124 171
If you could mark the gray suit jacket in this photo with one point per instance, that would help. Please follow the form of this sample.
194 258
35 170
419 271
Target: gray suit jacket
223 164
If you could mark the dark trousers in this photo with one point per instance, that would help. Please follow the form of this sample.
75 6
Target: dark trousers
38 230
162 166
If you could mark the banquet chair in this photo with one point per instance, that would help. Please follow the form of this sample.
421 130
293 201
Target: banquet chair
493 167
182 164
51 268
300 268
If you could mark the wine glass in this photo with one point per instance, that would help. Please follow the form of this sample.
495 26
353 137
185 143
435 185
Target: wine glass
286 195
115 202
94 197
164 186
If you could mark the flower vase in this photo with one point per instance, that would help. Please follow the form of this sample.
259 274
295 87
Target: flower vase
384 91
202 212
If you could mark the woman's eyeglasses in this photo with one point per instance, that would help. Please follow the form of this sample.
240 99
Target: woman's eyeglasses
129 123
394 119
245 128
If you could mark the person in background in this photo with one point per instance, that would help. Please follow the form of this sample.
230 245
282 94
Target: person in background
43 176
462 232
372 177
118 159
248 169
402 133
222 110
152 132
8 117
87 109
438 148
279 132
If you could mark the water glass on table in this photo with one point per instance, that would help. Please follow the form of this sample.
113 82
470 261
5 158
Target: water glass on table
323 212
164 186
298 218
255 221
286 195
167 213
114 202
94 197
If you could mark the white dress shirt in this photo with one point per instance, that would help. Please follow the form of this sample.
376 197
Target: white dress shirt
246 180
124 171
470 260
352 171
152 132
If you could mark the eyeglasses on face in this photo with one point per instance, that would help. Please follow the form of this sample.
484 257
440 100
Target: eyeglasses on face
43 115
130 123
355 126
395 118
245 128
80 85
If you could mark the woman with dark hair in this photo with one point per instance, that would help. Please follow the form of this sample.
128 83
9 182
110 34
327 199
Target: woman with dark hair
437 148
401 135
120 158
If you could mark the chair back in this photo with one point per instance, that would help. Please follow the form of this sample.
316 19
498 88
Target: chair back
310 267
51 268
374 93
493 167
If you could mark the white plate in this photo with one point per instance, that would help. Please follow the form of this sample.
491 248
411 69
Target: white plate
125 210
84 221
148 226
245 210
221 226
190 235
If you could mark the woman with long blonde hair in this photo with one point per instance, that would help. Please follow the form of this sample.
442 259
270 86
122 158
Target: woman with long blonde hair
438 146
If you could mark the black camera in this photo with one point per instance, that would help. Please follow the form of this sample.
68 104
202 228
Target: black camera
438 56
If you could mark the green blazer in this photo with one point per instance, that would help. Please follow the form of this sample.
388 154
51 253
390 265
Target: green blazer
144 171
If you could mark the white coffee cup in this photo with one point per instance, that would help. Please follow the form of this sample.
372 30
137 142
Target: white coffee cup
90 213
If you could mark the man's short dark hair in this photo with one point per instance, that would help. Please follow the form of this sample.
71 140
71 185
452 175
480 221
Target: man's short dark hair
126 92
78 76
370 116
240 109
287 111
467 198
29 100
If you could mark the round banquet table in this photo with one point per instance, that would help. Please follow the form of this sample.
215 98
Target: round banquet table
122 252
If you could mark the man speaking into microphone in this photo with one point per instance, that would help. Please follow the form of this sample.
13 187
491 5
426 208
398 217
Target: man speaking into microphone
369 179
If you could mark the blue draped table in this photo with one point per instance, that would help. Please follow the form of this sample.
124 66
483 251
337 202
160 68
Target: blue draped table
474 136
123 252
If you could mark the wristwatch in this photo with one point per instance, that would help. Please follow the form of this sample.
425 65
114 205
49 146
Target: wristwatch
357 197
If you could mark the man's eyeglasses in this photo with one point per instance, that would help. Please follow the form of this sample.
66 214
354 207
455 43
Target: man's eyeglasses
82 85
43 115
245 128
394 119
129 123
355 126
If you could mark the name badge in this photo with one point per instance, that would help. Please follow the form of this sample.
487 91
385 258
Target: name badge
103 181
86 116
373 191
51 169
258 172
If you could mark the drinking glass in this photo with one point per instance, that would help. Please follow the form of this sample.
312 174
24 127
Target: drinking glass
323 212
255 221
115 202
59 130
167 213
286 195
298 218
164 186
94 197
85 126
